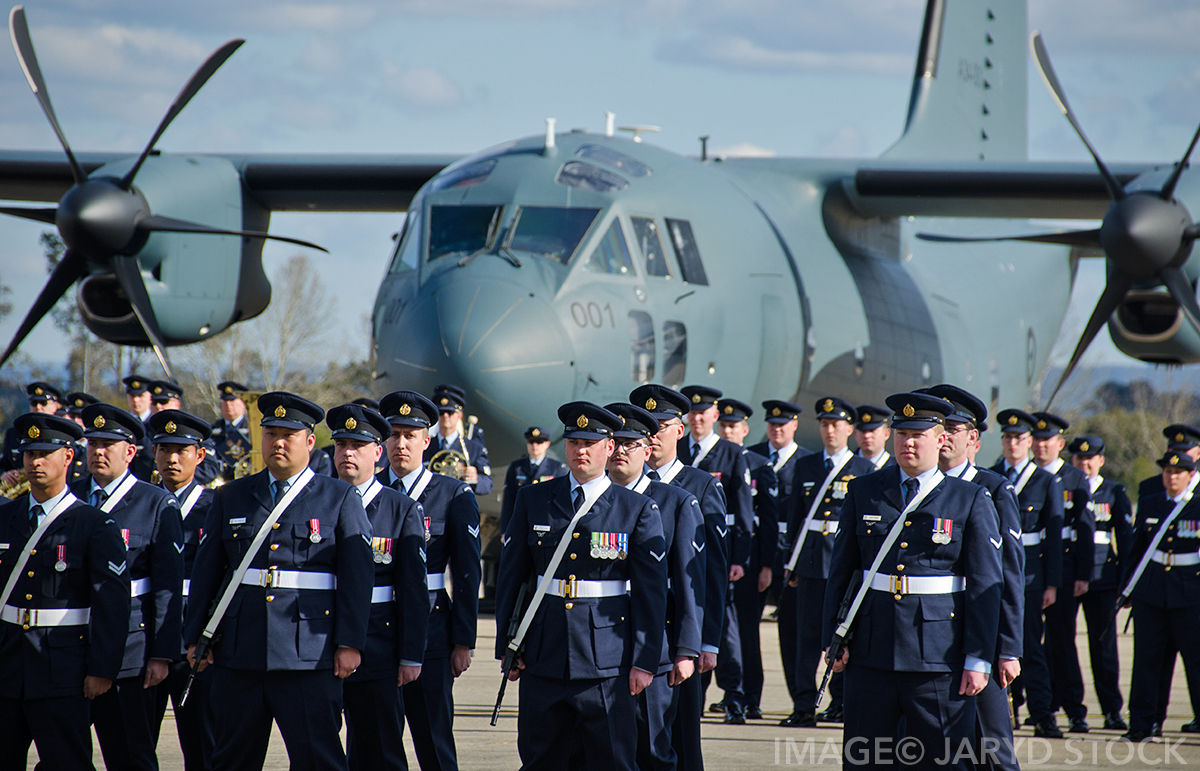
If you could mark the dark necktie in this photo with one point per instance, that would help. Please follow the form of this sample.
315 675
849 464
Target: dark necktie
653 474
1012 475
35 514
577 499
774 457
533 467
910 489
278 489
695 450
99 497
828 465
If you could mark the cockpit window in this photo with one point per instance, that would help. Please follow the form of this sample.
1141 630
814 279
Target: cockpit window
408 245
611 254
610 157
646 231
461 229
550 231
585 176
686 251
465 176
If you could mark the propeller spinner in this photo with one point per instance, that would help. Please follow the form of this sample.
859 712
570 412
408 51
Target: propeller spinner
103 219
1145 234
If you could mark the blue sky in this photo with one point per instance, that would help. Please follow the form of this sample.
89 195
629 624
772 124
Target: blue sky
782 77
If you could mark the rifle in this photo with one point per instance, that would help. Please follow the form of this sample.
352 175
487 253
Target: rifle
837 646
205 643
514 650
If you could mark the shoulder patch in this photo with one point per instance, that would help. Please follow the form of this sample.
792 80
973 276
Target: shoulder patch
115 568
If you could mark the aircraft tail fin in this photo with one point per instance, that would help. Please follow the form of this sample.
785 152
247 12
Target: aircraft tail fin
969 98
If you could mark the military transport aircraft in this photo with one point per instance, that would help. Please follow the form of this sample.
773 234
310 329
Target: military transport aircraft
577 265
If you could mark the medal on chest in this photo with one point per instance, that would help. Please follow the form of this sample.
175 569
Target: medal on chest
125 536
428 521
942 528
314 530
61 565
1103 511
839 488
382 549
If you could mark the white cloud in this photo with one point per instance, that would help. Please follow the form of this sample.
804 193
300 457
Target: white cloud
422 86
116 53
743 150
743 53
322 17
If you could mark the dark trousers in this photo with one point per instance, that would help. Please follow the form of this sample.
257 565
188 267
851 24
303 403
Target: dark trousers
1035 671
429 707
1062 655
60 727
1102 648
787 617
685 732
1168 674
655 714
559 718
809 660
748 604
123 717
374 725
994 724
729 670
306 705
1154 629
934 715
194 720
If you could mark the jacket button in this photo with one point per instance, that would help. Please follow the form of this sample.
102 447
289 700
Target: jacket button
899 596
274 546
569 605
1169 538
32 552
270 598
275 526
235 535
570 578
575 535
326 613
574 555
29 596
908 524
904 544
31 574
539 543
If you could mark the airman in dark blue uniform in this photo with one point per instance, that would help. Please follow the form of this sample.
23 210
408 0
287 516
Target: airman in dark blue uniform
1040 502
451 544
669 407
63 626
782 452
399 598
137 395
535 467
1112 541
300 613
452 435
179 448
231 434
925 634
956 459
811 570
871 434
683 534
596 640
44 399
76 401
1166 595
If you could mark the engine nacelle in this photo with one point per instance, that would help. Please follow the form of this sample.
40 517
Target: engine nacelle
198 284
1150 327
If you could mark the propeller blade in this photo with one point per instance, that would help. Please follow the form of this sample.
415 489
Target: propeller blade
1181 289
23 45
158 224
1086 238
129 273
1168 189
1042 57
197 81
1110 299
37 215
71 268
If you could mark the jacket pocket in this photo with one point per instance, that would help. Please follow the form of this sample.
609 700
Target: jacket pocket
316 623
610 633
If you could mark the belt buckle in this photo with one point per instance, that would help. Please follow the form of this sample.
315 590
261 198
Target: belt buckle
825 527
1170 559
568 588
268 577
898 584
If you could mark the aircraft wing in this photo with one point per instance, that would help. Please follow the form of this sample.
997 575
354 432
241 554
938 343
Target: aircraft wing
278 182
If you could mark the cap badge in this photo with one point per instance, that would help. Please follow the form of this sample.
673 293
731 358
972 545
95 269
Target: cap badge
582 422
1174 460
866 417
158 389
404 409
444 401
535 432
34 433
79 402
651 404
1041 424
695 398
171 428
827 406
728 409
135 384
99 421
909 411
38 391
351 424
228 389
280 411
1179 437
776 412
622 417
1084 446
1012 420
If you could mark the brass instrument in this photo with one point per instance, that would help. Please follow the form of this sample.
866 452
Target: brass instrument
451 463
251 462
16 489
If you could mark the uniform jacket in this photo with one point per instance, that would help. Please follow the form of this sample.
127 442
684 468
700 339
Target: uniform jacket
1078 551
764 489
683 533
919 632
476 453
594 637
44 662
398 629
810 472
451 525
231 445
726 461
1163 586
277 628
783 473
711 495
1040 504
155 551
520 474
10 451
193 529
79 468
1114 522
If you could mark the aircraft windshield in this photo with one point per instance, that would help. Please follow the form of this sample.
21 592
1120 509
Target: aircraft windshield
551 231
461 229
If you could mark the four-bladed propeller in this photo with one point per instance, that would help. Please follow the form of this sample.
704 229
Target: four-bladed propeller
105 220
1145 235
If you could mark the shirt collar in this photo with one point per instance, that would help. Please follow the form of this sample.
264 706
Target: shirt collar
362 489
707 442
787 449
49 505
290 480
1019 468
1094 483
958 470
112 486
636 481
662 472
837 456
409 479
538 462
921 478
1054 465
592 489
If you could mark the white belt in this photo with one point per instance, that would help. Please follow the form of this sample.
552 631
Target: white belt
435 581
31 617
579 588
1102 537
824 526
383 594
139 586
288 579
1032 539
1068 534
729 520
1170 558
783 528
187 586
917 584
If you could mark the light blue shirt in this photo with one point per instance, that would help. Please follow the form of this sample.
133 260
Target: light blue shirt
49 505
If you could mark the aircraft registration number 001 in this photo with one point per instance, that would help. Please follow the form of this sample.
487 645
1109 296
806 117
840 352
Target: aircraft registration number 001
592 315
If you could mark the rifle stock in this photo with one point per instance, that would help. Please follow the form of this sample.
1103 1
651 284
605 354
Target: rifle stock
837 646
205 643
513 651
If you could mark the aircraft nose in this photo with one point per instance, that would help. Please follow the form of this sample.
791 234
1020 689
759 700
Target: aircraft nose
499 341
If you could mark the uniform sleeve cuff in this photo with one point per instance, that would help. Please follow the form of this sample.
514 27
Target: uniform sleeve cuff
974 664
405 663
687 653
710 649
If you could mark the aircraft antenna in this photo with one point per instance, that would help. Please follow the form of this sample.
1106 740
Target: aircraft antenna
550 135
610 123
